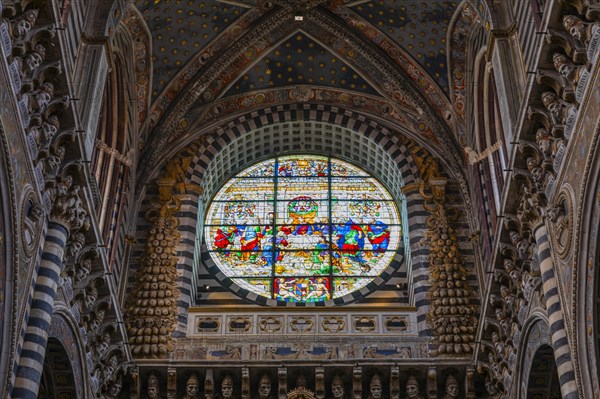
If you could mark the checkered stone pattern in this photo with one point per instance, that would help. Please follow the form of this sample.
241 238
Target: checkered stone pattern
558 333
188 218
309 128
324 130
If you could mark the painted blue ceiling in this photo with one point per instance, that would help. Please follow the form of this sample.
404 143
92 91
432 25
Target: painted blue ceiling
419 26
300 60
179 30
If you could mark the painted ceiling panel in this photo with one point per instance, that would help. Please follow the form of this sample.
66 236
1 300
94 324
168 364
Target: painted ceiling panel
300 60
418 26
180 28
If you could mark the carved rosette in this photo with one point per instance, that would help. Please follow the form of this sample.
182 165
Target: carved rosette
153 308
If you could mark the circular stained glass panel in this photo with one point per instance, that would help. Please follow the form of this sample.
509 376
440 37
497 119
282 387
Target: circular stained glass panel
302 228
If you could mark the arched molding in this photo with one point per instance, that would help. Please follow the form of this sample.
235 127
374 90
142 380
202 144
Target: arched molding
214 80
339 105
64 329
240 29
492 134
586 279
479 81
464 20
141 57
481 184
535 334
9 258
239 125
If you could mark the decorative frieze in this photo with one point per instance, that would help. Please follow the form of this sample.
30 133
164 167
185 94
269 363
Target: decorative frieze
279 324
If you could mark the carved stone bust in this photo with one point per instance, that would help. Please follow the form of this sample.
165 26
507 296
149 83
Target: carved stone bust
192 388
412 388
264 387
337 388
114 389
452 389
153 387
375 387
227 387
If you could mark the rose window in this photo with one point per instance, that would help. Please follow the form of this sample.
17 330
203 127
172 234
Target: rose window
302 228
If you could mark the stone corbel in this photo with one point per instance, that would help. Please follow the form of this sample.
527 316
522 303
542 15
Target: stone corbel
320 383
165 189
245 383
432 383
134 384
171 383
395 383
470 383
282 379
209 385
357 382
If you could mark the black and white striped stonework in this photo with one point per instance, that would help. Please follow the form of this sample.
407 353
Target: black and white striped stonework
31 362
295 128
27 310
558 333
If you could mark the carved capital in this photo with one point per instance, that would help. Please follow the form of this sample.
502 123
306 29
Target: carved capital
67 207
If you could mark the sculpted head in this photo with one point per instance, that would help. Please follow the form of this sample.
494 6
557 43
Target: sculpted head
264 386
84 269
337 387
33 60
227 387
376 387
153 387
104 343
563 65
412 387
451 387
26 22
91 297
575 26
550 101
115 388
98 318
192 386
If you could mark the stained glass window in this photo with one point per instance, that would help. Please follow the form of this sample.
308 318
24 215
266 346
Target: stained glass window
302 228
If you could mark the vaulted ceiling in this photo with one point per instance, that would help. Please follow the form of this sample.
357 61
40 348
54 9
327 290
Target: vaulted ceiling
182 28
221 57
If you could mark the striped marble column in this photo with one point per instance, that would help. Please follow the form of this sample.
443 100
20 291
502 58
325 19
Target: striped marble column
31 362
558 334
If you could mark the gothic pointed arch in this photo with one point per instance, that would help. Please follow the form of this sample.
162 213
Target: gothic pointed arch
216 78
